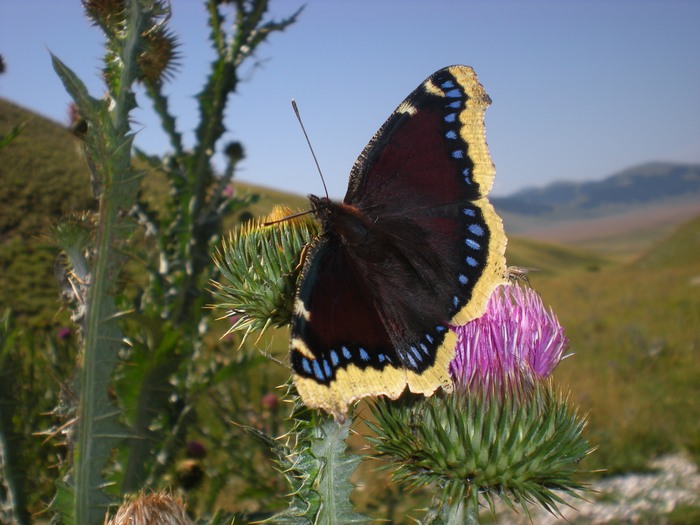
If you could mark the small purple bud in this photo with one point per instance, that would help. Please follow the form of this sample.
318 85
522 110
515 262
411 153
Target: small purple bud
64 333
196 450
270 401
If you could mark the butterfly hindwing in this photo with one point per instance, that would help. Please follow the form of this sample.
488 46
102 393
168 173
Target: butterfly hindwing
414 247
334 362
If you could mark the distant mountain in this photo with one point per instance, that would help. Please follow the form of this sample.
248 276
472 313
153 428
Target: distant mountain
649 184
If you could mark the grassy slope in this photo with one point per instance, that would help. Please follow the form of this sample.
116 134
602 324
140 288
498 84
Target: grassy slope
634 333
42 177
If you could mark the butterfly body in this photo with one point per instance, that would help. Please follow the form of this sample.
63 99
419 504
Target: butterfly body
414 247
345 221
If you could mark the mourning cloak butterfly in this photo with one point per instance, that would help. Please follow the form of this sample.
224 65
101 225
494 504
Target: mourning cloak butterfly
414 247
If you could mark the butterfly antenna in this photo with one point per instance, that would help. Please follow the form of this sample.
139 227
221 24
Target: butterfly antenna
318 167
288 217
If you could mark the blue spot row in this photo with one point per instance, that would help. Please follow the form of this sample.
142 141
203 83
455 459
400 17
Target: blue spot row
417 356
451 91
475 230
323 369
467 175
411 361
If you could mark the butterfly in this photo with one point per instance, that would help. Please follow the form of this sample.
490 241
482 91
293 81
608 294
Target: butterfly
414 247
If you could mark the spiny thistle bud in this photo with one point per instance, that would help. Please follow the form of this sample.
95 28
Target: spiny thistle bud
189 474
261 262
505 431
147 509
77 125
158 57
105 13
159 60
234 151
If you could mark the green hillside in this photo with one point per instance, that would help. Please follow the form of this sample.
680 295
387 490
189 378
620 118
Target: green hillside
682 248
43 177
634 335
551 259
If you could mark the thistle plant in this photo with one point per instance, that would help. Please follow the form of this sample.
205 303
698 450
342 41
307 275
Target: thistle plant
506 432
136 272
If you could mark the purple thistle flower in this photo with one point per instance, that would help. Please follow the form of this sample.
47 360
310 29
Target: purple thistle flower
516 342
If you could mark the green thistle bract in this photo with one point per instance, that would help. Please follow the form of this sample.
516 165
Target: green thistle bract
467 447
261 264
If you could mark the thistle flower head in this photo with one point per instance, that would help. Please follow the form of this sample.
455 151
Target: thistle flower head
64 333
505 431
259 264
516 342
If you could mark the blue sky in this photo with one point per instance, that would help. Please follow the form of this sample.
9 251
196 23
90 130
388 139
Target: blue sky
580 89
